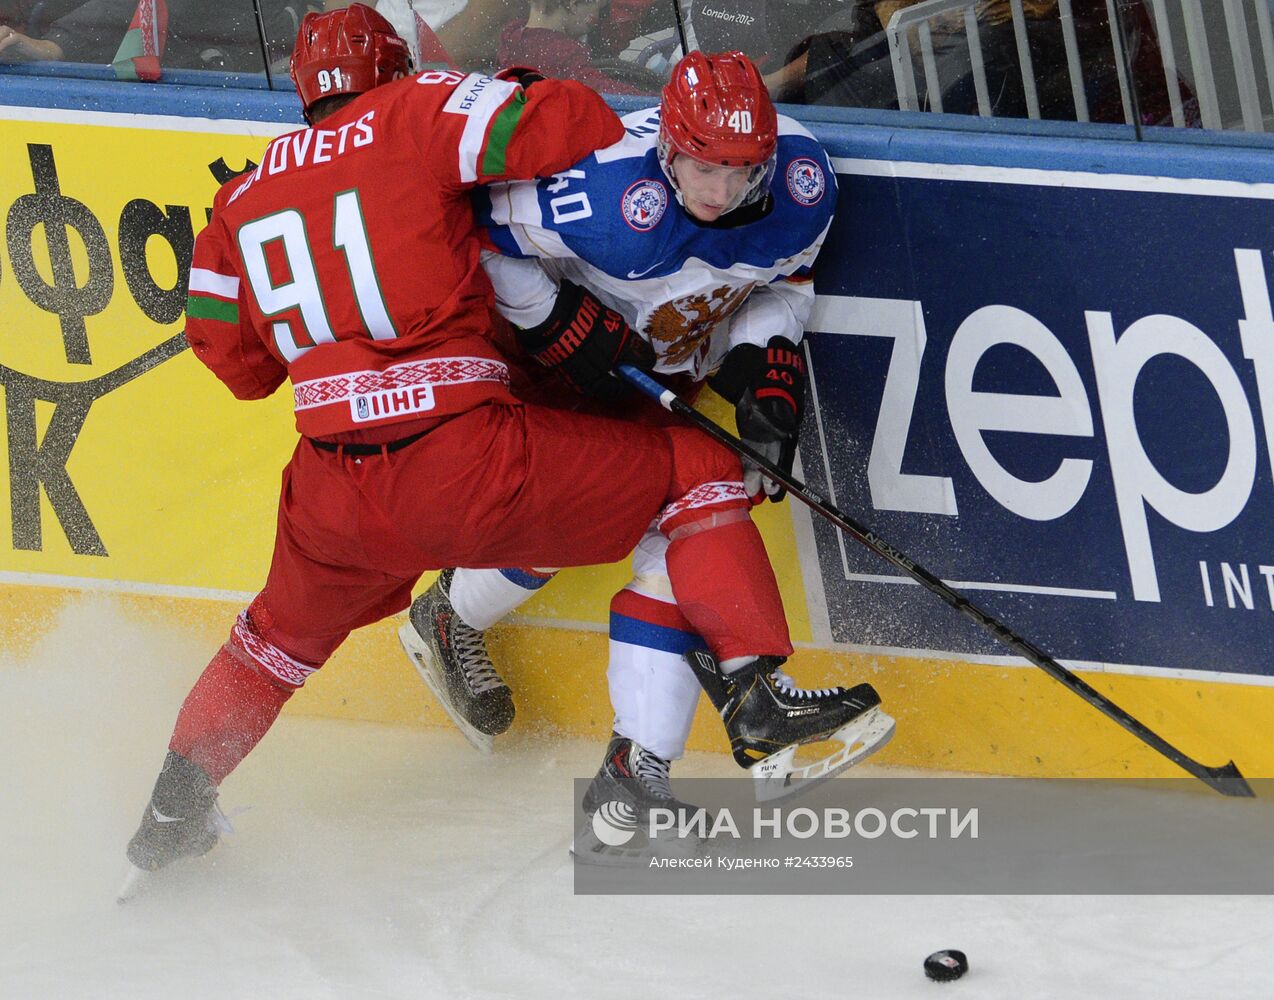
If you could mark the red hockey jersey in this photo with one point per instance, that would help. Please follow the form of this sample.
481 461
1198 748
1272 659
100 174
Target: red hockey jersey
349 260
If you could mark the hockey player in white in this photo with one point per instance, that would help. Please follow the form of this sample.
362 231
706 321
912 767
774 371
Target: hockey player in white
720 288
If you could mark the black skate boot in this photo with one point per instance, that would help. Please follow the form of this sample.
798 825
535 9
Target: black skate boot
767 716
452 658
631 782
181 820
633 775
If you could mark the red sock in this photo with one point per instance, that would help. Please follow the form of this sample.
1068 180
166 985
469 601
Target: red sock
725 587
229 709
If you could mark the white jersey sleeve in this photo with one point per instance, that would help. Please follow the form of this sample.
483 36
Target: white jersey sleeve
524 293
779 309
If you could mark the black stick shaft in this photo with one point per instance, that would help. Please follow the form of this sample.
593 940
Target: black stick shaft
1226 779
265 43
681 27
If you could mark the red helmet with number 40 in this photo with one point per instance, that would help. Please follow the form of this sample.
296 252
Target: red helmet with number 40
716 109
346 51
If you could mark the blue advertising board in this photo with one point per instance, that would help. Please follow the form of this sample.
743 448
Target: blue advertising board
1055 390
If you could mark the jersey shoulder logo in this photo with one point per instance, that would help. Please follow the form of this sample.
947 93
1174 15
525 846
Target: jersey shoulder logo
468 97
805 181
643 204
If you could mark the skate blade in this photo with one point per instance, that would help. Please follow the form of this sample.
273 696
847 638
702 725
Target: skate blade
776 777
599 855
587 849
422 658
134 884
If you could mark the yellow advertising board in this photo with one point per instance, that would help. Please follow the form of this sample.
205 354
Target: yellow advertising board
130 469
126 461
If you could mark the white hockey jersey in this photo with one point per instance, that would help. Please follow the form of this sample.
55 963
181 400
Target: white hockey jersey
612 224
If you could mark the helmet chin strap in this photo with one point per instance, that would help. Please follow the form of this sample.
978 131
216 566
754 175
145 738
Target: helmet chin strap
672 179
665 154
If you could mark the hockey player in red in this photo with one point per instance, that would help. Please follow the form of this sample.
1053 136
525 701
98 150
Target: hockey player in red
348 262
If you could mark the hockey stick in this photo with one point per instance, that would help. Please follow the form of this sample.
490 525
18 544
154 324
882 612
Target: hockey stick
265 43
681 27
1226 779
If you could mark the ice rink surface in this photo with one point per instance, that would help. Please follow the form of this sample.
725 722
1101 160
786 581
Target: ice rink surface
373 862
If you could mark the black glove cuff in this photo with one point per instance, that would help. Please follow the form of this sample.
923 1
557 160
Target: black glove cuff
745 368
534 339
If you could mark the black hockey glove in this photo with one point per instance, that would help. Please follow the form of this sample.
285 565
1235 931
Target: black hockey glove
584 341
767 387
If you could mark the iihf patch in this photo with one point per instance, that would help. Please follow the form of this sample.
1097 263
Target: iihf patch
643 205
805 181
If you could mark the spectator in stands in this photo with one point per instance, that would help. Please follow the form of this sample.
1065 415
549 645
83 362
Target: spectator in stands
22 27
17 47
31 16
415 21
198 35
87 32
551 40
846 61
473 39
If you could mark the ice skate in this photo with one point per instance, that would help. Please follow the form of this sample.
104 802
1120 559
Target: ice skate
767 717
631 774
452 658
630 782
181 821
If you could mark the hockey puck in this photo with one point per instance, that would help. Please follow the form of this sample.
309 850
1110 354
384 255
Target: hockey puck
946 965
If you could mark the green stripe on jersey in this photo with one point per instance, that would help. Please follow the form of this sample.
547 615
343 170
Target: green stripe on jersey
203 307
497 148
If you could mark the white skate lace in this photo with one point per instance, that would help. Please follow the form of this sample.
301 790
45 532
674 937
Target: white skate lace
652 771
788 686
478 670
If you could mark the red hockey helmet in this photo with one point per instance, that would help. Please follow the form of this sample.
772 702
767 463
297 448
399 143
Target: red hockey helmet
716 109
346 51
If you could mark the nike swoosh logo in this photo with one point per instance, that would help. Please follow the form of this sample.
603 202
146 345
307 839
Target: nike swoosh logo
642 274
161 818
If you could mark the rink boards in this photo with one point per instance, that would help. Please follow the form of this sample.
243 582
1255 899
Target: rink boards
1040 371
